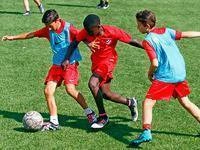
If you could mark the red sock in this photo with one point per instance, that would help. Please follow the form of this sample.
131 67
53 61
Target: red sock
103 115
146 126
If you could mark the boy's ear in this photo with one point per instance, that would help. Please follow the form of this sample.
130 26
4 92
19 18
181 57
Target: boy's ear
148 26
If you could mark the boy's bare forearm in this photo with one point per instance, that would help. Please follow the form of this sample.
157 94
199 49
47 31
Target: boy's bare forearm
190 34
18 37
152 68
136 43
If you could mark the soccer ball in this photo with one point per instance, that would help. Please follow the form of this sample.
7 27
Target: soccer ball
32 121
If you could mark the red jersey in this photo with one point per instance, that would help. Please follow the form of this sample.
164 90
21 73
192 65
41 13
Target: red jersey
44 32
107 42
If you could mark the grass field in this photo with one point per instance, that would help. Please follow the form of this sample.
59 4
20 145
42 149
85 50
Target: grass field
23 66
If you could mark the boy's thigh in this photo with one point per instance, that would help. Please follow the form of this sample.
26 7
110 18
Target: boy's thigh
71 75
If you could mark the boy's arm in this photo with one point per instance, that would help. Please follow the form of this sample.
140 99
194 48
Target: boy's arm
73 45
18 37
190 34
125 37
152 68
136 43
152 57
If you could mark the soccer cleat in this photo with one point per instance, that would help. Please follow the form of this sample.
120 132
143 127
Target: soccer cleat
41 8
133 108
100 5
27 13
92 117
106 5
101 122
145 136
49 126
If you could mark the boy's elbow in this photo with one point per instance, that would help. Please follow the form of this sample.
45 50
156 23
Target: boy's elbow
154 62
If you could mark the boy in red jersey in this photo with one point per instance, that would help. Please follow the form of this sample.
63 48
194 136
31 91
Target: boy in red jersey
167 70
102 40
60 34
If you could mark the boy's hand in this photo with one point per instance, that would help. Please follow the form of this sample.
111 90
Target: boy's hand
5 38
94 45
65 64
150 76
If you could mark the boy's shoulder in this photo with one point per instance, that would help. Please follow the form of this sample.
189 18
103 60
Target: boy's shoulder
162 31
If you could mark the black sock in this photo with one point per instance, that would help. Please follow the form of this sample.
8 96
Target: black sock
99 102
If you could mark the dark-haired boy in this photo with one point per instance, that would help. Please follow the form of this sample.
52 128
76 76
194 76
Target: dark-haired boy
166 72
102 40
60 34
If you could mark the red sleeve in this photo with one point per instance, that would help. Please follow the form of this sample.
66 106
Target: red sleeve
122 35
44 32
149 50
178 35
81 36
73 32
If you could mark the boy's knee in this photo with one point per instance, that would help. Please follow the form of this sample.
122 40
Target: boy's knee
184 101
148 103
48 91
92 85
70 90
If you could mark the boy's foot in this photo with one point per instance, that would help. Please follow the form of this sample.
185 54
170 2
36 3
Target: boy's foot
145 136
106 5
50 126
133 108
92 117
101 122
41 8
100 5
27 13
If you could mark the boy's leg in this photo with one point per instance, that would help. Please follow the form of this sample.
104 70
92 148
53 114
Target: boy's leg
37 2
145 136
26 7
49 95
96 92
147 107
93 84
117 98
190 107
39 5
73 92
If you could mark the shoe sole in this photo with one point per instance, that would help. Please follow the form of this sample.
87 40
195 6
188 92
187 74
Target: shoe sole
99 128
136 111
137 144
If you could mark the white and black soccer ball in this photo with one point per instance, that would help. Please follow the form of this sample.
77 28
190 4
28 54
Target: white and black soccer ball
32 121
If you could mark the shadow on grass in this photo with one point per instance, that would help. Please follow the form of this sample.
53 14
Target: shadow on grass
15 13
116 129
71 5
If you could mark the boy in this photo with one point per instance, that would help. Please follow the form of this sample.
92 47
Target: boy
60 34
102 40
167 70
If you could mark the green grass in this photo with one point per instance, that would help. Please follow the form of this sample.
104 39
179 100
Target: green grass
24 65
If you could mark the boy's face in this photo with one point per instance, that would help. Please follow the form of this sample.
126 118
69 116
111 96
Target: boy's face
141 27
54 25
95 30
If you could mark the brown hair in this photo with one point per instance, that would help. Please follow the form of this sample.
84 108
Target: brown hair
146 17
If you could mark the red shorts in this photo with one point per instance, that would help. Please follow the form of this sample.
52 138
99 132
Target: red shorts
104 70
57 74
161 90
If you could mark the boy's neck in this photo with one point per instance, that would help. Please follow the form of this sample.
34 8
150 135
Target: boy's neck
150 30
